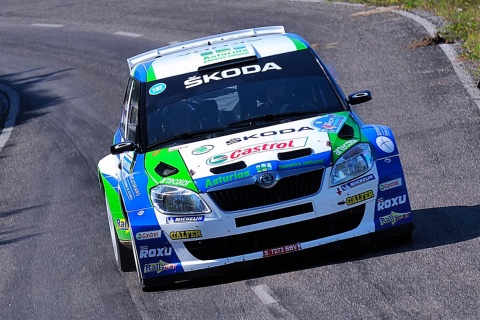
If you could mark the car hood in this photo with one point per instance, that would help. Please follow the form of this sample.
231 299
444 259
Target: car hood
284 148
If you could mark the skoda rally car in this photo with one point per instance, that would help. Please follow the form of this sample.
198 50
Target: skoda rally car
241 146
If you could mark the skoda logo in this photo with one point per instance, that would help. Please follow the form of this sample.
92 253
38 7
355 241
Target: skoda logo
266 180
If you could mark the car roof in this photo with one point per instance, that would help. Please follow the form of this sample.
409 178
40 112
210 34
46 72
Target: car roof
194 55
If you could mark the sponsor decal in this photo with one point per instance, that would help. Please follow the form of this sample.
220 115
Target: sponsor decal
185 219
300 164
226 178
281 250
393 217
177 148
185 234
159 267
263 167
385 144
390 184
157 89
263 147
354 183
359 197
342 148
229 73
382 131
392 202
155 153
145 252
122 224
140 213
148 235
131 188
223 54
175 182
329 123
267 134
202 150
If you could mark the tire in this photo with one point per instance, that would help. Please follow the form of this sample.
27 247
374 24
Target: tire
123 255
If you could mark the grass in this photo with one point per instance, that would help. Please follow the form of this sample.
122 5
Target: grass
462 17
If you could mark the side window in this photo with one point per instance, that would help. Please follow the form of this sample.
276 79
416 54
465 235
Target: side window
132 122
126 101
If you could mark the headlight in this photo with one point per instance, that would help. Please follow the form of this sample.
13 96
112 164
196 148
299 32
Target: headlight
352 164
176 200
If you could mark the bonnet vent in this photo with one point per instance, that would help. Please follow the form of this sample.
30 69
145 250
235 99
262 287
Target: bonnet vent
229 167
294 154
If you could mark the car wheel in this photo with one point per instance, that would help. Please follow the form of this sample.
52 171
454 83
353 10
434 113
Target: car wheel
123 255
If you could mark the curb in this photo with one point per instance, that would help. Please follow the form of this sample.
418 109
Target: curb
465 78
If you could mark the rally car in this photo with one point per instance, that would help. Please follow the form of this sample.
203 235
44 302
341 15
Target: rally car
242 146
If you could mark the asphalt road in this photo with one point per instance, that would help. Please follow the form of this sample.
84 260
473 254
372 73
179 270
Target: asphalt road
67 61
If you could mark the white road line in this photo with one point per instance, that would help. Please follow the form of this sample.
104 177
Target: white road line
47 25
262 293
128 34
12 114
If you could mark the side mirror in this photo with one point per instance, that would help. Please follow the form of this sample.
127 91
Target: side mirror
122 147
359 97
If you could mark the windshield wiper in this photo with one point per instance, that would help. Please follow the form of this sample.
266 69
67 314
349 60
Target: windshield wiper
270 117
185 136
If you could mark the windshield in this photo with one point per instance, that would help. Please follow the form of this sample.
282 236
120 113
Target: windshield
292 83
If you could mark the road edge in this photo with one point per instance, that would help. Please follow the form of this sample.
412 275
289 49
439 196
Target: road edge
464 76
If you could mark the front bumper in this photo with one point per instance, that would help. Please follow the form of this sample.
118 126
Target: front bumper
323 249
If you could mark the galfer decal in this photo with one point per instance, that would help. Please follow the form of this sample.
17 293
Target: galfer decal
202 150
185 219
145 252
359 197
354 183
390 184
175 182
157 89
229 73
330 123
185 234
391 202
224 178
267 134
148 235
263 147
393 217
385 144
122 224
159 267
341 149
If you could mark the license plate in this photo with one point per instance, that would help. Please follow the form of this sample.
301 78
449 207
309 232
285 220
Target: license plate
281 250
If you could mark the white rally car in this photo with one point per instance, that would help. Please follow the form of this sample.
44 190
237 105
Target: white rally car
241 146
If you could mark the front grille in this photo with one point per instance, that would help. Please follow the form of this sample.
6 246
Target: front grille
252 196
303 231
274 215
